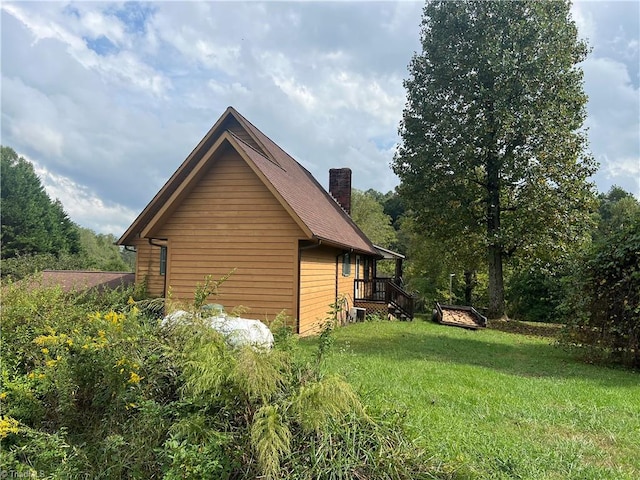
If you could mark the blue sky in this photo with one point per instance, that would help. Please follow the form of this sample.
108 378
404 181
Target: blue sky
107 99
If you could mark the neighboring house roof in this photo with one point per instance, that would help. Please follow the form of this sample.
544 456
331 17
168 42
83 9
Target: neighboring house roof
315 211
77 280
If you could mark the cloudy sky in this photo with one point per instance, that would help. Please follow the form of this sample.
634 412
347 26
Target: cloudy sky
107 99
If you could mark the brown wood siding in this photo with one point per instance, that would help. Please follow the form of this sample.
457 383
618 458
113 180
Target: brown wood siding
148 268
317 287
230 220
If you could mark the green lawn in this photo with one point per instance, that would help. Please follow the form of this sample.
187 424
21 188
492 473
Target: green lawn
491 404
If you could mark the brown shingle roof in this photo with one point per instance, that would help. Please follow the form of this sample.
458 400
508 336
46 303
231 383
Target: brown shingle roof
78 280
290 181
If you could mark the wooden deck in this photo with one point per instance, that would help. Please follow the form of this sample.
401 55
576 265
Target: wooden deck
384 291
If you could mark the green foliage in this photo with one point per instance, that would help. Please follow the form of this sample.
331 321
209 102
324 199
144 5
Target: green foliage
618 208
367 212
208 288
92 386
271 439
86 386
38 235
194 461
21 266
492 158
603 307
31 222
100 252
535 295
432 261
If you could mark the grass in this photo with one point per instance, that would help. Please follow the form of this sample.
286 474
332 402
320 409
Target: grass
493 404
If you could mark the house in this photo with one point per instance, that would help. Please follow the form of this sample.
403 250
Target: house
239 202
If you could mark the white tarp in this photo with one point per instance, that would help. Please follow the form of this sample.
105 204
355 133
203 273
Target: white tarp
236 331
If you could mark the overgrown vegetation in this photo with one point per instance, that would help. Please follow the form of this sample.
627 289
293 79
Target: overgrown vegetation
93 386
603 306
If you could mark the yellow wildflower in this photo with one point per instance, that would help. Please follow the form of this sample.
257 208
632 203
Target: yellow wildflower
51 363
8 425
131 301
3 395
134 378
101 333
122 361
45 351
46 340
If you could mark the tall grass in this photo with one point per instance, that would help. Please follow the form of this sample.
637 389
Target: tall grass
93 386
491 404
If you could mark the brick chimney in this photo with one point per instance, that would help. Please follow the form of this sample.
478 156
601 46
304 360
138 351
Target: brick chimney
340 187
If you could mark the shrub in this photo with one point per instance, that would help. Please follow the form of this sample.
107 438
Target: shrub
85 386
94 387
603 309
534 295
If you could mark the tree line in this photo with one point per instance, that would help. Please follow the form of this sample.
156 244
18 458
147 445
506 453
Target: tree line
37 234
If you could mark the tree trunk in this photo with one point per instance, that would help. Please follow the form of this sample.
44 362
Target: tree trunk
469 284
496 283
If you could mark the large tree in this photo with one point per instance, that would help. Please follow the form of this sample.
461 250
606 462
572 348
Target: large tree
367 212
493 151
31 222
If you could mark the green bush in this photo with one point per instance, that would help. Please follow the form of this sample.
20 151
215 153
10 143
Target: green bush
603 309
93 386
534 295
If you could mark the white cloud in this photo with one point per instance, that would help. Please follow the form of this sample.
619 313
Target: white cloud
40 137
123 67
82 206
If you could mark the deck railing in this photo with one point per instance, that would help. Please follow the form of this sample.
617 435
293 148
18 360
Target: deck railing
384 290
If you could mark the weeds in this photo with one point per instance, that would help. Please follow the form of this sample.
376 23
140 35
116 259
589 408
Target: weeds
92 386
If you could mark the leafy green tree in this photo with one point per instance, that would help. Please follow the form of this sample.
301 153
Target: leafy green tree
493 150
617 209
368 213
394 207
432 261
31 222
101 252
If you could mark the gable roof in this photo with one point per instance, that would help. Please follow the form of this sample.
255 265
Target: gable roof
315 211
